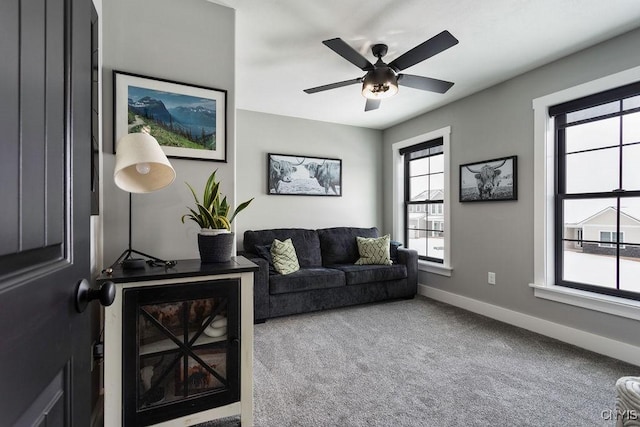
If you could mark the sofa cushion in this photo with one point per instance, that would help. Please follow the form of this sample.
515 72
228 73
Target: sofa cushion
306 279
264 252
338 245
285 260
359 274
373 250
305 241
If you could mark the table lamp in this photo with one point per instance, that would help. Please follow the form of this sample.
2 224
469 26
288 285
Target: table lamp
141 167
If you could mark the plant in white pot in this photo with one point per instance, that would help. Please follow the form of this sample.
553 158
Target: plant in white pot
212 214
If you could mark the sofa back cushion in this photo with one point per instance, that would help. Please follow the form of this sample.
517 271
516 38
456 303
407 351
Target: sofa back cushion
305 242
338 244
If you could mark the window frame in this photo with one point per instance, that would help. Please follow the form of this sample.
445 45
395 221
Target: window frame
426 206
543 283
398 216
561 115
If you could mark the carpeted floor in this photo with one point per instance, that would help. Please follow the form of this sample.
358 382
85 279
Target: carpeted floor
423 363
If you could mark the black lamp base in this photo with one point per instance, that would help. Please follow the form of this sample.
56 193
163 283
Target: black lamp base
133 264
129 263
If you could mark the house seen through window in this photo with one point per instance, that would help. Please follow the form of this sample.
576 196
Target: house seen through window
424 199
597 198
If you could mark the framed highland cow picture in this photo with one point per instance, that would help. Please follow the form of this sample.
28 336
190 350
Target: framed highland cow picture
489 180
303 175
188 121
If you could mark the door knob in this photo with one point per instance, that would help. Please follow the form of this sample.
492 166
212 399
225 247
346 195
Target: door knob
84 294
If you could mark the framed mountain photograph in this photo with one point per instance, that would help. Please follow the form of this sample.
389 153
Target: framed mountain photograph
188 121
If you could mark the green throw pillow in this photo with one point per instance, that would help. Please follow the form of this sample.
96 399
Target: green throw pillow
285 260
374 250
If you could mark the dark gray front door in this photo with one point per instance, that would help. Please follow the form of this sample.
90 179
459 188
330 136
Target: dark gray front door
45 83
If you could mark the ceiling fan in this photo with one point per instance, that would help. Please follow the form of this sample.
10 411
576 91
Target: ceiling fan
381 80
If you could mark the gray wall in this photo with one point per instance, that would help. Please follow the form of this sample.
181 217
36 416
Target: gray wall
189 41
498 236
361 153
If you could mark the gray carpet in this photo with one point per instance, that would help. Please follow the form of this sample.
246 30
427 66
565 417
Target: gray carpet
423 363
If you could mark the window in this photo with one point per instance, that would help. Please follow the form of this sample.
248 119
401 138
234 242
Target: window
436 209
610 236
597 192
433 209
424 199
544 282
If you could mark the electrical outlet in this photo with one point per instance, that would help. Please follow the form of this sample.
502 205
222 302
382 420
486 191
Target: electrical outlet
491 278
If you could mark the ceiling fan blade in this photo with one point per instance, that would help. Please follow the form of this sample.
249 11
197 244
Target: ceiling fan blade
334 85
431 47
350 54
372 104
424 83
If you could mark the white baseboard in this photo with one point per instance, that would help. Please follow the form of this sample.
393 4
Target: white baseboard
596 343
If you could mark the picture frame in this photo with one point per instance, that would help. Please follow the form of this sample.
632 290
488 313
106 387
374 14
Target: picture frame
188 121
489 180
291 174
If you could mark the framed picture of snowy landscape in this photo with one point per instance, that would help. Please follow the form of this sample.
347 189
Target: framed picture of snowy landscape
188 121
303 175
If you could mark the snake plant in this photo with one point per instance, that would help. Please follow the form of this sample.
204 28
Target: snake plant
212 212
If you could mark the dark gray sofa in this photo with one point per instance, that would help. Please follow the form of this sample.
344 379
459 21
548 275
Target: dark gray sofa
327 277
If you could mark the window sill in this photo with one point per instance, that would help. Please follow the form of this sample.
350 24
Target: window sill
604 303
435 268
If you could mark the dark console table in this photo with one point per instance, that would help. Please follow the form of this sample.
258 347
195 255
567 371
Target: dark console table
179 344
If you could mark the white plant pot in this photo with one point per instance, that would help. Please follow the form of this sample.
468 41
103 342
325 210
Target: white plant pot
213 231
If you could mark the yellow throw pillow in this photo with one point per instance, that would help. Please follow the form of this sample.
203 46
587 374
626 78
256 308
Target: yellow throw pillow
374 250
285 259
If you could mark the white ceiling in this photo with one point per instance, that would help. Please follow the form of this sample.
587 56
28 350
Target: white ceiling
279 50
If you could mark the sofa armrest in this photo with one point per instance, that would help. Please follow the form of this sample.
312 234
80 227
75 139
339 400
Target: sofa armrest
409 257
260 288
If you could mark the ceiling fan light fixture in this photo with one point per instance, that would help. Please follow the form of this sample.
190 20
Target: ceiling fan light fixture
380 83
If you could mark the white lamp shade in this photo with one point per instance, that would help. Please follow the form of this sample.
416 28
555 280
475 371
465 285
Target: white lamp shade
141 165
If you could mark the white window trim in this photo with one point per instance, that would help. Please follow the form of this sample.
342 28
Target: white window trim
444 269
544 257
